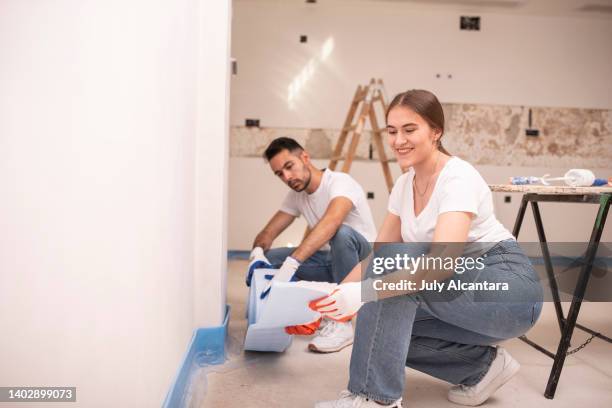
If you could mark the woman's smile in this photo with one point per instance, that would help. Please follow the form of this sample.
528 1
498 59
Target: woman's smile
404 150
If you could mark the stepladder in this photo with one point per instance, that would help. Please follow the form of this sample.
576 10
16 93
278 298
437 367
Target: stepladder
369 101
367 104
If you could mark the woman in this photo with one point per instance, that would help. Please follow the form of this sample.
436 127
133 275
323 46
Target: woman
441 199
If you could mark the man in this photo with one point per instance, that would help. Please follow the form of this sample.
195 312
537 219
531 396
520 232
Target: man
341 227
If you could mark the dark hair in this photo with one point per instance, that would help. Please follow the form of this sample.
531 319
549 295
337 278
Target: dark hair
280 144
425 104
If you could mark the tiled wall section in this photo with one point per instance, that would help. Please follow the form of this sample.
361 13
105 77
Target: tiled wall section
481 134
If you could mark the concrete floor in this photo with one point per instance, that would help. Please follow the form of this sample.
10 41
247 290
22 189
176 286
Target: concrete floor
299 378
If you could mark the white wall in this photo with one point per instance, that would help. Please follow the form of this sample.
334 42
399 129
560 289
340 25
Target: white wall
255 194
513 60
99 115
212 161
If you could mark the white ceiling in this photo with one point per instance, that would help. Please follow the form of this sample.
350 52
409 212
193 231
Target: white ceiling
555 7
576 8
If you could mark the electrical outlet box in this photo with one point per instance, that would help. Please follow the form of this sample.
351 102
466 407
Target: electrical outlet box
532 132
470 23
507 199
370 195
303 38
251 122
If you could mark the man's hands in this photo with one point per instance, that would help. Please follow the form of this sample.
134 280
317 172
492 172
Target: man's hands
257 261
287 269
284 274
342 304
257 254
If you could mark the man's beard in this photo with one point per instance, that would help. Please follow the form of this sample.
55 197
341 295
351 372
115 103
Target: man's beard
306 183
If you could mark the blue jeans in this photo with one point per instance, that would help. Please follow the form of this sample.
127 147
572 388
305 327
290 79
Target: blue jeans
450 340
347 249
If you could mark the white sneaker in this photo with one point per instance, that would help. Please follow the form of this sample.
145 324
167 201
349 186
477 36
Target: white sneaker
349 400
502 369
333 337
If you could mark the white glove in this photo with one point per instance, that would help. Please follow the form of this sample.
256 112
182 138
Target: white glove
342 304
257 259
257 254
287 270
284 274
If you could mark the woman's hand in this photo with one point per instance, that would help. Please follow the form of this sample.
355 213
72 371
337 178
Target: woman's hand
303 329
342 304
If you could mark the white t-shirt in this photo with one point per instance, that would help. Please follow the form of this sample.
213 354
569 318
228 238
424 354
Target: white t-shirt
459 187
333 184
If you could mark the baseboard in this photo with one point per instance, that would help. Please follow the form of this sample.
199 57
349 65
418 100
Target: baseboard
208 341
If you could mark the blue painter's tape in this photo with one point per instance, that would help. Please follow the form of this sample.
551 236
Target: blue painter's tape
238 254
207 347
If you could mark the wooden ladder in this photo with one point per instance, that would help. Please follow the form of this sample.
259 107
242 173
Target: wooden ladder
365 97
364 101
